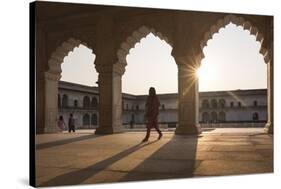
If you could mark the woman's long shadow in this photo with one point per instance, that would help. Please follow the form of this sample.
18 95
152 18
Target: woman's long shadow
175 159
78 176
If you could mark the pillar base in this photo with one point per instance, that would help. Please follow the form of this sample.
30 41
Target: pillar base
108 130
188 130
268 128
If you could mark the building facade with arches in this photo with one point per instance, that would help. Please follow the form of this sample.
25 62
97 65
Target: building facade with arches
251 113
82 102
111 32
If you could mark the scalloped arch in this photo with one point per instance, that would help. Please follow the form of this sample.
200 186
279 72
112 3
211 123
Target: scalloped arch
239 21
61 52
134 38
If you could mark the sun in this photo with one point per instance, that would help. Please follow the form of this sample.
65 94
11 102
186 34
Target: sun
205 72
199 72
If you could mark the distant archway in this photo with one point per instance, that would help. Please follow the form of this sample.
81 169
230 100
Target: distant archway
86 120
214 117
94 102
86 102
64 101
205 117
94 119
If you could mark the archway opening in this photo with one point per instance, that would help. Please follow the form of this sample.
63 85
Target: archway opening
234 73
78 83
149 64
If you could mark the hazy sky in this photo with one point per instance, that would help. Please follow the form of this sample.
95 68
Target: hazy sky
232 61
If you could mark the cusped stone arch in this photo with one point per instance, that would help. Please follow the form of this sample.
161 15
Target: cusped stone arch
57 57
136 37
238 21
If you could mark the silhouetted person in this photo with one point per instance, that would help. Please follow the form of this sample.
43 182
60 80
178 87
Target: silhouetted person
151 113
131 124
61 123
71 124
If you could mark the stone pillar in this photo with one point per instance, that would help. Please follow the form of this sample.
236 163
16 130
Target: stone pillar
269 59
269 124
51 102
110 98
187 98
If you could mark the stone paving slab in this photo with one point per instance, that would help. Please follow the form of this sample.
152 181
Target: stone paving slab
232 167
83 158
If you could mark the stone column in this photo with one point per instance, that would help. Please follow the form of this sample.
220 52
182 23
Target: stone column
51 102
269 124
269 59
110 98
187 98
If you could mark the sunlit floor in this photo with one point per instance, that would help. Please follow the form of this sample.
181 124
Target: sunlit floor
83 158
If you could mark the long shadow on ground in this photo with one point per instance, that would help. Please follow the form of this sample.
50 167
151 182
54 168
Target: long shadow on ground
63 142
78 176
175 159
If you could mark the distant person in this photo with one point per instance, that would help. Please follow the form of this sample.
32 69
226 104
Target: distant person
131 124
61 123
71 124
151 113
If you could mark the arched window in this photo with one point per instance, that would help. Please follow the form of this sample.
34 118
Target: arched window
255 116
64 101
94 119
94 102
127 106
255 103
75 103
222 117
86 102
59 101
214 117
137 107
205 117
221 103
231 104
205 103
214 103
163 106
86 119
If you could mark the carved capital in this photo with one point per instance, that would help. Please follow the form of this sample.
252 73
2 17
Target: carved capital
52 76
119 68
190 60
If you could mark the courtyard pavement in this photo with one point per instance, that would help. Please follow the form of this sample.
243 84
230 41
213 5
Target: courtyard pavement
84 158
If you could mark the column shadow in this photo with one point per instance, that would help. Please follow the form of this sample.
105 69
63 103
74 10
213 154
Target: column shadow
176 159
66 141
78 176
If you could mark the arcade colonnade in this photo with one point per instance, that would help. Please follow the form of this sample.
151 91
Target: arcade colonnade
111 32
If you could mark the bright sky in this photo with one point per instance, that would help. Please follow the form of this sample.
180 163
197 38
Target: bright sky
232 61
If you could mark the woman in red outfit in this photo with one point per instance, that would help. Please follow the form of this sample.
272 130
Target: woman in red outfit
151 113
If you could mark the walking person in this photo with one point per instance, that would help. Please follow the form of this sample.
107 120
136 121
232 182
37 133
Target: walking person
61 123
151 114
71 124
